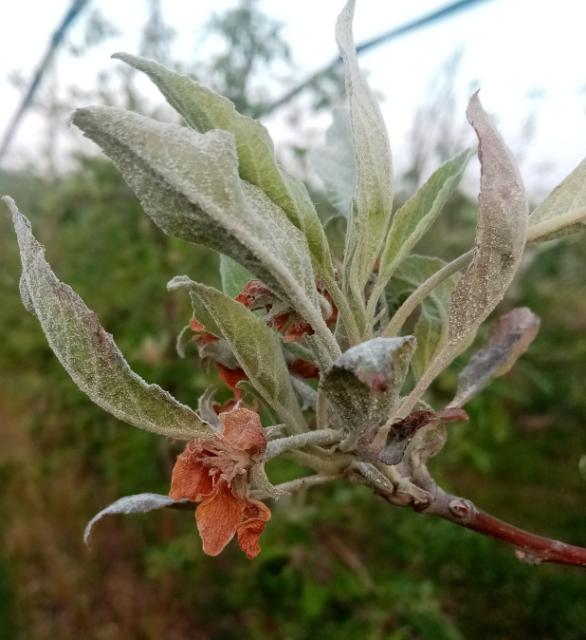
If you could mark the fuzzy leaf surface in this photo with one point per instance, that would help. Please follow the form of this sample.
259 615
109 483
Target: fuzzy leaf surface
508 341
567 198
431 328
255 346
203 110
373 196
364 383
139 503
189 185
501 234
335 163
89 354
415 217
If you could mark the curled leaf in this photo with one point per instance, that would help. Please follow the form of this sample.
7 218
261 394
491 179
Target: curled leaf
139 503
364 383
501 233
89 354
508 341
404 431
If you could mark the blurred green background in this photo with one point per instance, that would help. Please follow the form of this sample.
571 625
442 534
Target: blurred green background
336 560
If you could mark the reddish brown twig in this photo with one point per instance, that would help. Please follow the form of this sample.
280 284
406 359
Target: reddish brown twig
529 547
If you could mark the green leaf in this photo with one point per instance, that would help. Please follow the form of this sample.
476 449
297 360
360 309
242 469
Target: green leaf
508 341
431 328
188 183
89 354
234 276
203 110
564 210
335 229
416 216
373 196
335 163
256 346
364 383
501 234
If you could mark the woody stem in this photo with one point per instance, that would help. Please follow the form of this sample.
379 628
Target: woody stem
529 547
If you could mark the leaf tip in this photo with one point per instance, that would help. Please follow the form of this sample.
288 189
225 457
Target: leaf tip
474 107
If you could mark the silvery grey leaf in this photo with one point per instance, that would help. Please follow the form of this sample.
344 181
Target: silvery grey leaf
501 234
139 503
189 184
204 110
508 341
89 354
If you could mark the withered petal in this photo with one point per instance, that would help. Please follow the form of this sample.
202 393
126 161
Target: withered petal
217 518
190 478
243 430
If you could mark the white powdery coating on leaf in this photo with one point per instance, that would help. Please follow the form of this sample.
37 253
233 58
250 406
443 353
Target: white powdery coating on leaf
501 234
364 383
139 503
501 231
203 109
189 184
89 354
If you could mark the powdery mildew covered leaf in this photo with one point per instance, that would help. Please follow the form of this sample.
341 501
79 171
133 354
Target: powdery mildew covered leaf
335 163
89 354
256 346
203 109
416 216
373 196
508 341
189 184
364 383
139 503
565 204
501 234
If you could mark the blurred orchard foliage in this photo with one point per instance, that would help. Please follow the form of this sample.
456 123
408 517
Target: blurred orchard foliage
343 565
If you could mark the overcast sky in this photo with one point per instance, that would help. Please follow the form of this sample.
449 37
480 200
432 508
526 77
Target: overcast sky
525 56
